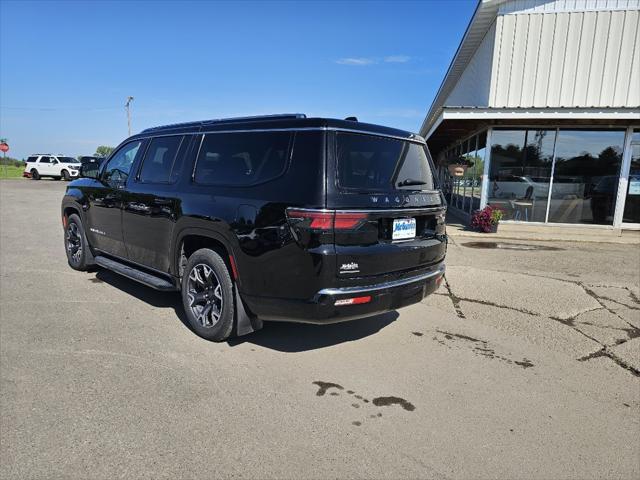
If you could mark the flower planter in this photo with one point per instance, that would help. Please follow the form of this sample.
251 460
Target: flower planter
487 219
457 169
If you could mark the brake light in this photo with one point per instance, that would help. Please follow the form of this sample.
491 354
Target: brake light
344 220
327 220
352 301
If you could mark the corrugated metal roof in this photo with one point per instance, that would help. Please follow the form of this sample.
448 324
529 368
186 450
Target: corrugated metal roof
529 67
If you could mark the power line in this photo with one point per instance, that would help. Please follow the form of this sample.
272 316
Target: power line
53 109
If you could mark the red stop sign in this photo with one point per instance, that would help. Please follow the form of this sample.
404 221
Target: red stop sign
4 147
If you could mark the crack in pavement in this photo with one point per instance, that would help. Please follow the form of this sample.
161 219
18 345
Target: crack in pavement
617 360
602 297
632 331
455 300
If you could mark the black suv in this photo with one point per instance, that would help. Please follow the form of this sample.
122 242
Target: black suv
280 217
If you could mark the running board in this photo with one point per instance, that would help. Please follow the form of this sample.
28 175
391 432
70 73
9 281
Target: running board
145 278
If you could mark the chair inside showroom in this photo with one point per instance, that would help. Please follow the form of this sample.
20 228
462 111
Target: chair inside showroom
521 206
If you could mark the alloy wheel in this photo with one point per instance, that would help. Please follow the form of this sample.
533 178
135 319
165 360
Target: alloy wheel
74 242
205 295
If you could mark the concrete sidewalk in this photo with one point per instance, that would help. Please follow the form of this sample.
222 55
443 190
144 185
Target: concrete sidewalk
457 227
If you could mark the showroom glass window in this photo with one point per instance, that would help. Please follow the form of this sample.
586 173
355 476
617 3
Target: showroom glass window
586 176
464 192
632 202
520 172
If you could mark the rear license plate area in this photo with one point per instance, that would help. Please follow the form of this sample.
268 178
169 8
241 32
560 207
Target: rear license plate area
403 229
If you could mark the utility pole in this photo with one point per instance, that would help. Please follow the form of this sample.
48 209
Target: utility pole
129 99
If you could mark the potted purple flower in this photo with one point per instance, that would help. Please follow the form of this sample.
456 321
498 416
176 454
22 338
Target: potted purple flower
487 219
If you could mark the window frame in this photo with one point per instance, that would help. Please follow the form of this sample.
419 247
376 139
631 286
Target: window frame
113 155
287 163
396 168
138 178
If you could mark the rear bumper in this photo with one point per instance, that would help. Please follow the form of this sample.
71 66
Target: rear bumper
322 309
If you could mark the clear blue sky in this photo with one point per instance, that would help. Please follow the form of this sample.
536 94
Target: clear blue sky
66 68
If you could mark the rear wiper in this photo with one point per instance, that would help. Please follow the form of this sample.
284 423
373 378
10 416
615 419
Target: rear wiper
410 181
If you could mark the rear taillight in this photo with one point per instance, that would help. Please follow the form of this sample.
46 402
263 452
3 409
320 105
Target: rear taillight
326 219
346 220
353 301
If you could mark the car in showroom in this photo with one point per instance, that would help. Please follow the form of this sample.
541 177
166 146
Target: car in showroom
277 218
54 166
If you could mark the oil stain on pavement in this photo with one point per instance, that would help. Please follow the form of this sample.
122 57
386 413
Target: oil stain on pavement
479 347
324 386
377 402
386 401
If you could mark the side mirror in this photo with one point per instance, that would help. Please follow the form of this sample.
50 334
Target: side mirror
90 170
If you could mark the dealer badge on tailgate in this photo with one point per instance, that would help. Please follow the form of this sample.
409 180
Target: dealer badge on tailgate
404 228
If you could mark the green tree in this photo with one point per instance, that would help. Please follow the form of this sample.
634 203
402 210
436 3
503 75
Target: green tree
103 151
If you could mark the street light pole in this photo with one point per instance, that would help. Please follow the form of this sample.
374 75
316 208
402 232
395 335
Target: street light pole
129 99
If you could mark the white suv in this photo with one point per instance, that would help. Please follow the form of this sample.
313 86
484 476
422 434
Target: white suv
55 166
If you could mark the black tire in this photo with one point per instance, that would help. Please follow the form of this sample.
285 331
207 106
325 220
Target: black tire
202 299
65 176
76 246
35 175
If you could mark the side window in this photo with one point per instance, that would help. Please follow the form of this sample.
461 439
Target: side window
31 159
160 160
117 170
244 158
44 160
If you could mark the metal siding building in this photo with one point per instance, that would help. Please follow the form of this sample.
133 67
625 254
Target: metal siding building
543 98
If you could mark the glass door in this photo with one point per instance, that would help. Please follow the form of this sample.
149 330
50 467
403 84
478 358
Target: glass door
631 214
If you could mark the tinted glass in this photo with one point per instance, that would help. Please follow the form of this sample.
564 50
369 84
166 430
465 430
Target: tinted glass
44 160
586 175
244 158
520 173
117 170
32 159
378 163
159 159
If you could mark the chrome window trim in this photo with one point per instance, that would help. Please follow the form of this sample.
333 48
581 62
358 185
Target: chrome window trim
381 286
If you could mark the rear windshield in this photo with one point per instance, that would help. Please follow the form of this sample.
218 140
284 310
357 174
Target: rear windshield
378 163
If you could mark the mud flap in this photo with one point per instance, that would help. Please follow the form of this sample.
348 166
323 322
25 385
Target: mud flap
245 324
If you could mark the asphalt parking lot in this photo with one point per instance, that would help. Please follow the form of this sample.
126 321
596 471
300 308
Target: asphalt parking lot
524 365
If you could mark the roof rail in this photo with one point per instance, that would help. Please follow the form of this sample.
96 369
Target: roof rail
257 118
